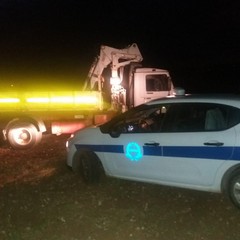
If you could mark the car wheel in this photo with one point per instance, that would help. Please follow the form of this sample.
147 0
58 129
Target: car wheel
23 135
89 166
234 189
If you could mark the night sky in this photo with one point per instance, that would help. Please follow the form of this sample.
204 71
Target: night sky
53 43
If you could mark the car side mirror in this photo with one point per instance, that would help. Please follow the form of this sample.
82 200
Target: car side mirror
116 130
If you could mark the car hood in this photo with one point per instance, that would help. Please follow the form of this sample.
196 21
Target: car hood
90 134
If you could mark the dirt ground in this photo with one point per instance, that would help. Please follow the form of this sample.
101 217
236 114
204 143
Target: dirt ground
41 198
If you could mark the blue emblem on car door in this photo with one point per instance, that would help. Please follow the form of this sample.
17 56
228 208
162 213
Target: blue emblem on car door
133 151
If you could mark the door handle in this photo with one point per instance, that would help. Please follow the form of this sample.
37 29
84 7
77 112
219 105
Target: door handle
218 144
152 144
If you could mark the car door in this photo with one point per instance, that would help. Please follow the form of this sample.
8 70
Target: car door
196 142
177 154
139 156
138 151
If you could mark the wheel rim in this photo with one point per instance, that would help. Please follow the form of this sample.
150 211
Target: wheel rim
236 190
22 136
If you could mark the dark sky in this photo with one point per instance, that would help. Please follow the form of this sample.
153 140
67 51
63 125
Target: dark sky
46 41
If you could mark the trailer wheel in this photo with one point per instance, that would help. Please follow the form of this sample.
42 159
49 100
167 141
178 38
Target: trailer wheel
88 165
23 135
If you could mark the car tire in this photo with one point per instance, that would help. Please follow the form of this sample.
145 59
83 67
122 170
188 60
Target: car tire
234 188
23 135
88 165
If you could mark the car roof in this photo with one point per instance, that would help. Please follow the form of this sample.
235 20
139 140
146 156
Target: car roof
227 99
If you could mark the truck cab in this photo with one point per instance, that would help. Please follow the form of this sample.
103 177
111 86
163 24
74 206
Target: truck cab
131 84
151 83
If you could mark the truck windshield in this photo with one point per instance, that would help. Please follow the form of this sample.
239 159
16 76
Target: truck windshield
159 82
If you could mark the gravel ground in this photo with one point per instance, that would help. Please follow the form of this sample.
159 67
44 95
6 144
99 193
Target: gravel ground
41 198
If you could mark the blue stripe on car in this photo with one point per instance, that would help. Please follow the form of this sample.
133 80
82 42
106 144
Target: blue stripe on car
152 151
173 151
101 148
198 152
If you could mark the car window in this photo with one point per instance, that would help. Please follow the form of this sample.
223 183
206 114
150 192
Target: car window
195 117
184 118
146 120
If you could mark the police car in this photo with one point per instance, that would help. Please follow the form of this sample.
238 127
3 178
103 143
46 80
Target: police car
190 142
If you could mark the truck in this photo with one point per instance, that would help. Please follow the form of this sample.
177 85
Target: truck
26 115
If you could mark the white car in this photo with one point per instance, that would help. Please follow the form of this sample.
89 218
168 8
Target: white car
190 142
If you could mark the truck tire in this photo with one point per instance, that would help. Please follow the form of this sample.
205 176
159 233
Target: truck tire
23 135
88 165
234 188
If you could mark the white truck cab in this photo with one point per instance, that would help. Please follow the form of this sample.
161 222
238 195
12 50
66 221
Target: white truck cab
150 84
